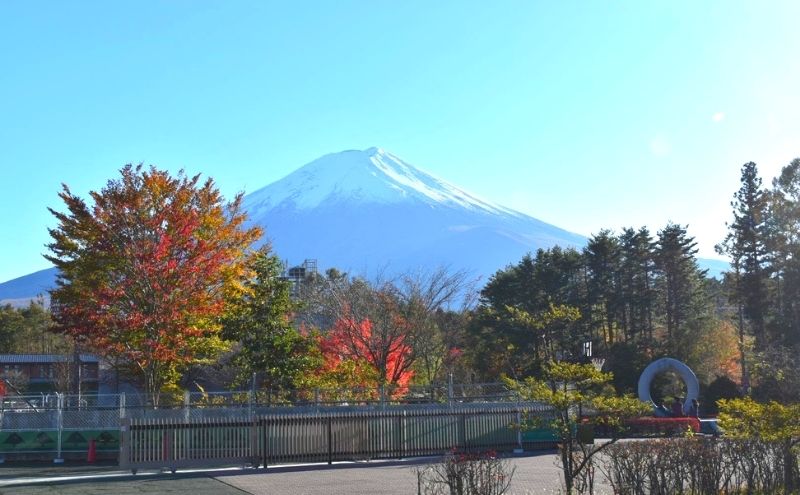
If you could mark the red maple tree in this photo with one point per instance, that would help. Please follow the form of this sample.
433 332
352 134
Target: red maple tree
387 351
145 272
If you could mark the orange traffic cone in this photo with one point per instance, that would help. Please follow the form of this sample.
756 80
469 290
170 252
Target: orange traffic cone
91 454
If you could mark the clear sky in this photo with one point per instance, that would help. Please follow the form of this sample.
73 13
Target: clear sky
587 115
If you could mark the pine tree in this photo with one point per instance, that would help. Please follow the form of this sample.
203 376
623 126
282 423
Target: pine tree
784 251
746 245
502 341
637 266
259 320
602 258
680 285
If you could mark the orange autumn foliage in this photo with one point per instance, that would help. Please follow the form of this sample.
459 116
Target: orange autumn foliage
388 353
145 272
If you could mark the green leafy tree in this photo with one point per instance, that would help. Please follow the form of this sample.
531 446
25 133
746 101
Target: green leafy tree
567 388
551 329
772 422
501 341
259 320
11 323
776 374
37 334
28 330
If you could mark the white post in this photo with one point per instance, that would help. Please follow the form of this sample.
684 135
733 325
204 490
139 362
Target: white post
450 389
186 405
59 428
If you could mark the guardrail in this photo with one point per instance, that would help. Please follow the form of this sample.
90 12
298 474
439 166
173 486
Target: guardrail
324 436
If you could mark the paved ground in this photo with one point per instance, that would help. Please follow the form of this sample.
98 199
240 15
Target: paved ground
196 485
535 474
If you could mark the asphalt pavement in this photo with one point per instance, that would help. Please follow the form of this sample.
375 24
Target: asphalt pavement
534 474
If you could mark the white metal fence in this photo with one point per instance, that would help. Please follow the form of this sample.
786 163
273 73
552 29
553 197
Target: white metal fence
42 423
326 435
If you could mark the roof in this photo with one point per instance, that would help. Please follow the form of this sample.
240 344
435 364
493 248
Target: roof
44 358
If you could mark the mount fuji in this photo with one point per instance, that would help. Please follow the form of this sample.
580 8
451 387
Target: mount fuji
366 212
363 211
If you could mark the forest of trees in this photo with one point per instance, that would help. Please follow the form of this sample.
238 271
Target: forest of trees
635 295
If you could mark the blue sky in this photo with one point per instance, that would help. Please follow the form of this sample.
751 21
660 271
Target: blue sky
587 115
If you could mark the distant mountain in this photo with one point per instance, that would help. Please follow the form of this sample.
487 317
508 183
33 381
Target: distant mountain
364 211
369 211
20 291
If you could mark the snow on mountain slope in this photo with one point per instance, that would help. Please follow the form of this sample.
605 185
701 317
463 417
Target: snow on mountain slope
372 175
369 210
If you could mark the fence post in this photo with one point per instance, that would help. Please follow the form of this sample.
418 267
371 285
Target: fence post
254 453
401 433
124 440
59 428
265 422
187 400
450 389
463 428
519 448
330 440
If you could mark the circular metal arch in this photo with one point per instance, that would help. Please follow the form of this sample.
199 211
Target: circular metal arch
669 364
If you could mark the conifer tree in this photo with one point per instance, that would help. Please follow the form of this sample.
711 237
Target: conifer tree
784 247
259 320
680 285
602 258
746 245
636 266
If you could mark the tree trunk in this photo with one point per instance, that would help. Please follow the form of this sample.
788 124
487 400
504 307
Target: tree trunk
566 463
745 376
789 467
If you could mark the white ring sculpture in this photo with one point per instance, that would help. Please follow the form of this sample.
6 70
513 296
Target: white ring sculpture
665 364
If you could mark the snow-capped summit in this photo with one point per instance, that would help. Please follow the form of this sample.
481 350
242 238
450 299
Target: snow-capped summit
363 211
372 176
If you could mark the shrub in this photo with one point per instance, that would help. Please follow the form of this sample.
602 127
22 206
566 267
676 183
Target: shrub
696 466
461 473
